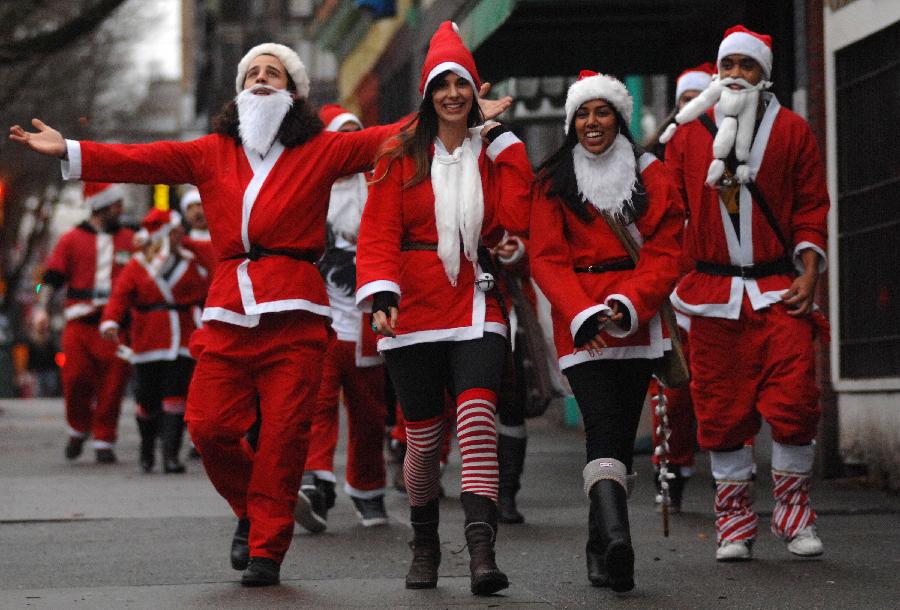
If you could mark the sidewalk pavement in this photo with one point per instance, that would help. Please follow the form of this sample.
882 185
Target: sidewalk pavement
83 535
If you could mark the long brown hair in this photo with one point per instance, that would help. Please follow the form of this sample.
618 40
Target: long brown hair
417 136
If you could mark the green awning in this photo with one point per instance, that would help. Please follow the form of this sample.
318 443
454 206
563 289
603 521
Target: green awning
484 19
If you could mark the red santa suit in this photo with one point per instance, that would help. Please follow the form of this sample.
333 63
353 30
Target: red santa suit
94 377
267 308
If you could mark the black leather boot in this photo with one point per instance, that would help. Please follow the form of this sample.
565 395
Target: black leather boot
240 549
149 430
481 533
610 508
511 457
172 433
595 551
261 572
425 545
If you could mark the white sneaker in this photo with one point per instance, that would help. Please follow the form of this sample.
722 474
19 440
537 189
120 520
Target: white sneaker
806 543
734 551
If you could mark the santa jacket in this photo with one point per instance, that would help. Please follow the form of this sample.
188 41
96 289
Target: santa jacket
87 262
277 202
431 309
787 168
164 305
560 242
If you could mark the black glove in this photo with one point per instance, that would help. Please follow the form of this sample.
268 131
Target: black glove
383 301
589 329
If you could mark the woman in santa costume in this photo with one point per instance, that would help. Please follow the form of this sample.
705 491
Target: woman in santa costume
161 289
442 189
753 179
606 324
352 364
264 176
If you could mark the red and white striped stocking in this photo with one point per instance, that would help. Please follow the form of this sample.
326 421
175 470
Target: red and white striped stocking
422 465
735 519
477 434
792 511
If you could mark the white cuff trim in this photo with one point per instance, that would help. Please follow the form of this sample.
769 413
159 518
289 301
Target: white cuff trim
582 316
614 329
503 141
603 469
108 324
363 494
798 260
71 166
365 293
518 255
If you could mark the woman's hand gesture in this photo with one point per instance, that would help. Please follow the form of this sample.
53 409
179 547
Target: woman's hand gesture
46 140
491 109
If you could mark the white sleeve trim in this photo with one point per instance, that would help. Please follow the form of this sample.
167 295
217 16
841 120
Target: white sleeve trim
614 328
584 314
798 260
364 294
518 255
108 324
71 166
501 143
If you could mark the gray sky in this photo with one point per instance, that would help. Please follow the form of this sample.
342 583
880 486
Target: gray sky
160 47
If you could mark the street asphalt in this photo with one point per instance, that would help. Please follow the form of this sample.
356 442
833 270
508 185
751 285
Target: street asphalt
84 535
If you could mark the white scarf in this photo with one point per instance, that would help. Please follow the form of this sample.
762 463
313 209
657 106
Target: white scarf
260 116
348 197
458 201
607 180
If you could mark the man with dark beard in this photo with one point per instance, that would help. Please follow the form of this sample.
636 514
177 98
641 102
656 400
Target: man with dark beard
265 177
752 176
87 260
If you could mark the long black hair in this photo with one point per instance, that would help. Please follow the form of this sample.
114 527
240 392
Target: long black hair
558 171
417 136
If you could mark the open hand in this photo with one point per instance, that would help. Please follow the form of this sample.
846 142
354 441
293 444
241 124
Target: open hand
45 140
491 109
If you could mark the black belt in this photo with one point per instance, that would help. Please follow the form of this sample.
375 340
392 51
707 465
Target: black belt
86 293
408 246
257 252
161 306
781 266
620 264
93 319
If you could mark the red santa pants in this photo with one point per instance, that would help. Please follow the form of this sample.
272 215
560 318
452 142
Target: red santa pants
94 381
759 365
680 411
366 412
276 365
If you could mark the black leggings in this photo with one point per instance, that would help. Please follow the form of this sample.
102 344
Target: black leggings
423 372
610 395
161 379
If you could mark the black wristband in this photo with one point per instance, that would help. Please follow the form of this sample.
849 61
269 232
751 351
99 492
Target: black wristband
496 131
589 329
383 301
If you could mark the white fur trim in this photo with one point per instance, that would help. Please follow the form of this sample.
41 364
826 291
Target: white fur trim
103 444
732 465
71 165
189 198
808 245
796 459
745 44
501 143
454 67
604 469
285 55
654 349
582 316
598 87
692 81
518 255
108 324
614 329
666 135
220 314
341 119
363 494
106 197
365 292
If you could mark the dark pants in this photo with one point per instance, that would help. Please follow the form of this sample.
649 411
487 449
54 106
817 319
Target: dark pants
161 379
610 395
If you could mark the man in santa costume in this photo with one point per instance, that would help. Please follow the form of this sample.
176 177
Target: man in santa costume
161 289
352 363
752 176
265 177
87 259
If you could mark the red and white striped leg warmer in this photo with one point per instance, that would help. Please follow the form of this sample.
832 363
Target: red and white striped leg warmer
476 432
735 519
422 465
174 404
792 511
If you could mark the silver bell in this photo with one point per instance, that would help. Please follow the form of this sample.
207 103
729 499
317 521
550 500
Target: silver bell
485 282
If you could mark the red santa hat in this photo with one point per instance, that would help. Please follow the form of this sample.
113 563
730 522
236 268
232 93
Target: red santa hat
99 195
285 55
446 51
593 86
739 39
191 197
335 116
156 225
694 79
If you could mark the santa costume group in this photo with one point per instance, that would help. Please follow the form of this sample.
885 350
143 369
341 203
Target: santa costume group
605 222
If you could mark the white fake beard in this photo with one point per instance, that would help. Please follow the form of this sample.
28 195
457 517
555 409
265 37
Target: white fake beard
260 116
607 180
348 197
458 205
